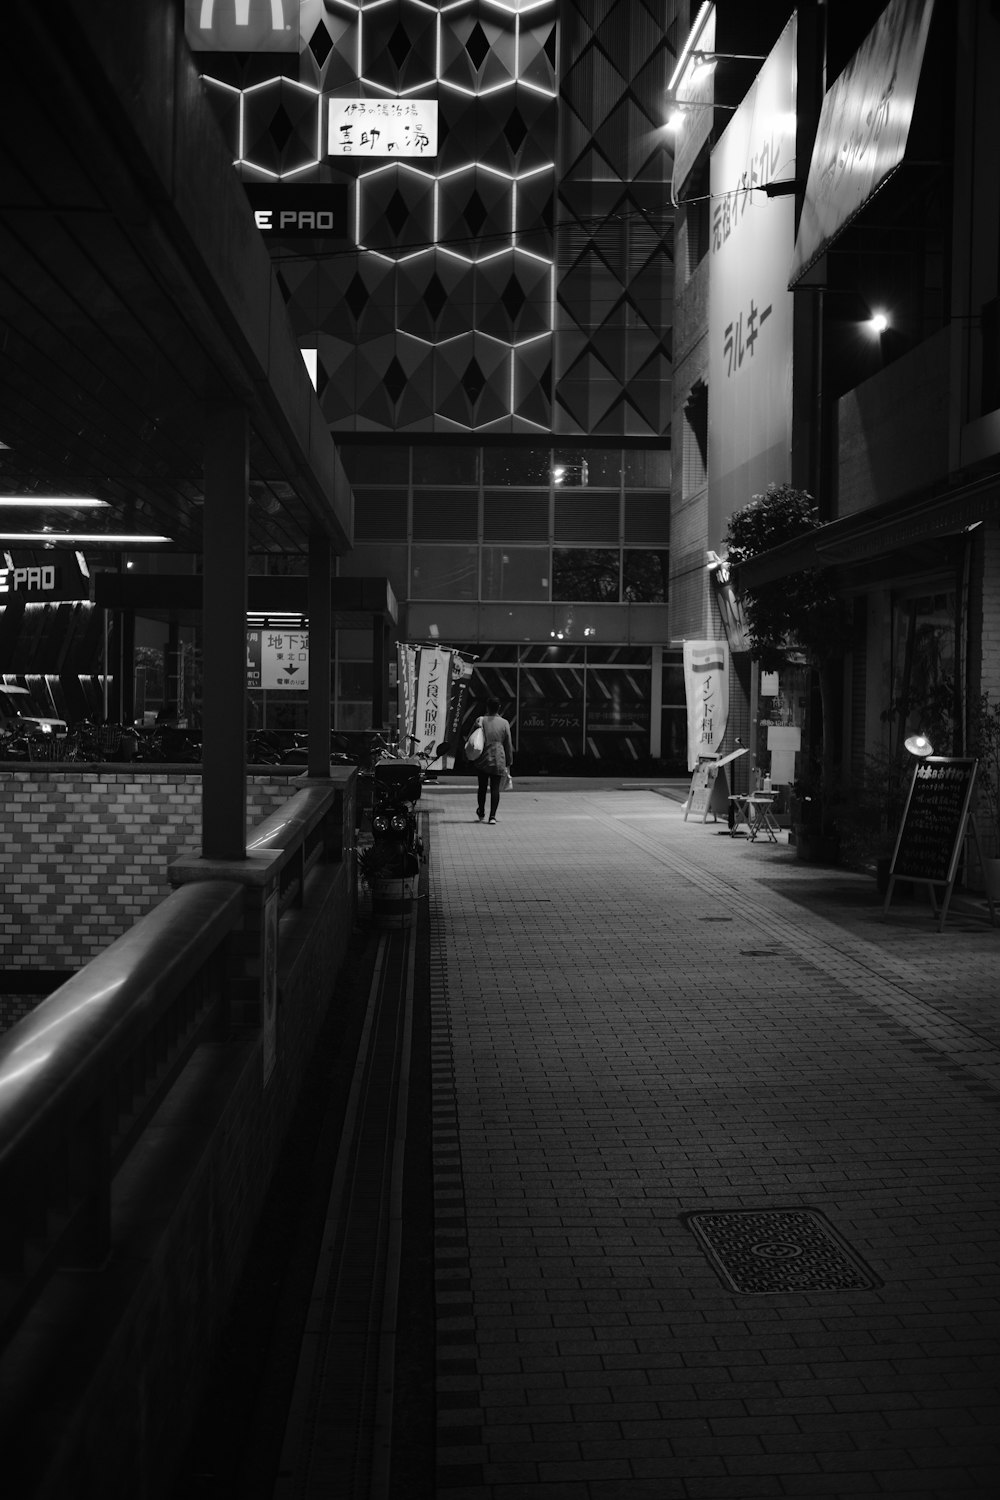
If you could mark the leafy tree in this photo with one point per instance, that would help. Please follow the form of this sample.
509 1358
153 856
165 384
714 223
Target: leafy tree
797 616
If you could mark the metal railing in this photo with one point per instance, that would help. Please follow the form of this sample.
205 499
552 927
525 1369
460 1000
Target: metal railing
305 831
82 1074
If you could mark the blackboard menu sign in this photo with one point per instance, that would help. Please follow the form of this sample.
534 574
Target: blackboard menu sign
933 827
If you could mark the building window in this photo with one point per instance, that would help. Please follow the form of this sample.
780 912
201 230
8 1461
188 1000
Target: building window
444 572
585 574
516 573
644 576
509 465
444 464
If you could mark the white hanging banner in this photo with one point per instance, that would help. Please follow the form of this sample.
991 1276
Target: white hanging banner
430 720
706 690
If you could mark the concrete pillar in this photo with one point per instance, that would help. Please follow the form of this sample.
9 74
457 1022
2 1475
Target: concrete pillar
224 610
320 642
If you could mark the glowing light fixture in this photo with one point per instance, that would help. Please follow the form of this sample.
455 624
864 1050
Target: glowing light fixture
51 502
919 745
47 538
693 38
878 322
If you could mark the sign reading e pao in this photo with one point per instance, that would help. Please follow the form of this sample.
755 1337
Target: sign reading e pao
294 212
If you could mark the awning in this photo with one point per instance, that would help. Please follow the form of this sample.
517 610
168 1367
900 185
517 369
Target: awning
874 533
863 128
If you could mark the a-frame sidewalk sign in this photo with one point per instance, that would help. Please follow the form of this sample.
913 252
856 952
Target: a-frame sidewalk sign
935 821
709 791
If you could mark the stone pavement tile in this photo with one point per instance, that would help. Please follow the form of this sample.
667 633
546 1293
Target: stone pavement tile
639 1021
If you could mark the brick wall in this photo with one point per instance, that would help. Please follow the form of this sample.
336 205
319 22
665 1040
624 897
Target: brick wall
85 852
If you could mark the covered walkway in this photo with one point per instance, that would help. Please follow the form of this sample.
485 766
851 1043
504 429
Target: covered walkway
714 1170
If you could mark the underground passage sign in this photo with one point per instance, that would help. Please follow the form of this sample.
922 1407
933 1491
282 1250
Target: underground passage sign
277 659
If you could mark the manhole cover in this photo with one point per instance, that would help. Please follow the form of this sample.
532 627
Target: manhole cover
780 1250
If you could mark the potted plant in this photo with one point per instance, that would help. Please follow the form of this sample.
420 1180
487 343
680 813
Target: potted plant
868 821
797 617
985 745
391 875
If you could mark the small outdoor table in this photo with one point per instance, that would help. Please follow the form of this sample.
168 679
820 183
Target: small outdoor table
754 809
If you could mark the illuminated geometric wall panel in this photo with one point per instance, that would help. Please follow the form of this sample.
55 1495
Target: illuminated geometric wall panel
614 247
396 208
435 297
538 37
473 382
282 129
531 383
335 385
476 211
357 301
478 53
398 49
383 377
512 296
227 106
486 286
648 396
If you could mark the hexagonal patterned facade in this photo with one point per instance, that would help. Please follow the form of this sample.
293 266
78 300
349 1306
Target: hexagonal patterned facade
520 280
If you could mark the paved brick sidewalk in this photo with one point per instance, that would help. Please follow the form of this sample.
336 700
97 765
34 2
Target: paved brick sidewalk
636 1019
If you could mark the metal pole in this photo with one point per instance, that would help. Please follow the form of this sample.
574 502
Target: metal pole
224 615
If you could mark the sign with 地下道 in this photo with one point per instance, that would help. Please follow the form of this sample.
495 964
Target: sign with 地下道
277 659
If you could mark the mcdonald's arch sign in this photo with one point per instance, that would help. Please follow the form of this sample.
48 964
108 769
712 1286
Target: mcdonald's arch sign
242 25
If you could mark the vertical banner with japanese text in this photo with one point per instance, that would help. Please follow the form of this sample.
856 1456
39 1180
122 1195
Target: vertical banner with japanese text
432 684
706 690
406 678
750 306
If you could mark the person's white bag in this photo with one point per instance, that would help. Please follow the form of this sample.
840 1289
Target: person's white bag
476 743
507 783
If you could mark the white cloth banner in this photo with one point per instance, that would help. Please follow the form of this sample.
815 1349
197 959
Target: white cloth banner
706 691
430 720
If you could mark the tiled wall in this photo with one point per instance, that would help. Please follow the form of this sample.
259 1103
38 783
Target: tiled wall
85 853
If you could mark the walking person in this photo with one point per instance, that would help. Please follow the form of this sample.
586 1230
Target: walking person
496 758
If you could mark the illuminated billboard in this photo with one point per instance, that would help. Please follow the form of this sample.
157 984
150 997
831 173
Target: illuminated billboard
242 25
749 304
383 127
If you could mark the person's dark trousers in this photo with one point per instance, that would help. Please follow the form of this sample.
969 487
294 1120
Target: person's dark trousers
491 780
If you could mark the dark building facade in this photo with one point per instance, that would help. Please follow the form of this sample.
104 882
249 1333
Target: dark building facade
488 323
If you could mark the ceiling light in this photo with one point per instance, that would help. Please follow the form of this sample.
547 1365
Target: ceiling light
51 502
47 538
878 322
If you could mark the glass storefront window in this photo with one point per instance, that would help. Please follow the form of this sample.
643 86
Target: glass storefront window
444 572
585 574
443 464
585 468
644 576
381 463
923 668
551 656
618 702
377 560
633 656
502 465
647 468
515 572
